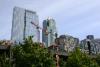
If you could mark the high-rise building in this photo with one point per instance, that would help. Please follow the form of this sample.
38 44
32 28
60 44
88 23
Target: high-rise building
22 26
49 31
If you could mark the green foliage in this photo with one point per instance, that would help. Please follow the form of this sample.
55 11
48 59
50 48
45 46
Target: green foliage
4 58
31 54
4 61
79 59
62 62
98 59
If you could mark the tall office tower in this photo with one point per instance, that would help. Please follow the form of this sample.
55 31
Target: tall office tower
22 26
49 31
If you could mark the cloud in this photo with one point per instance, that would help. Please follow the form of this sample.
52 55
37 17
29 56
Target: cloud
76 17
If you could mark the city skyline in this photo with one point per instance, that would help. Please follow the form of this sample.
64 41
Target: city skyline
76 18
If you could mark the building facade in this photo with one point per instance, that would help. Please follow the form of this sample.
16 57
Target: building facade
22 27
67 42
49 31
94 45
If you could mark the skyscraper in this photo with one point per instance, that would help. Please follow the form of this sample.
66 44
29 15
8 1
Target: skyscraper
49 31
22 27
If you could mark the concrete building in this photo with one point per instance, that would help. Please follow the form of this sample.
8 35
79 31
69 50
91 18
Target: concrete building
68 42
94 45
22 27
48 32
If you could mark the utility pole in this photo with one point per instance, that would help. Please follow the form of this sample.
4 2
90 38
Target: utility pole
57 52
57 62
57 58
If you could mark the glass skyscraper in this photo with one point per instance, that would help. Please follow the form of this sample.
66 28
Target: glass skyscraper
22 26
49 25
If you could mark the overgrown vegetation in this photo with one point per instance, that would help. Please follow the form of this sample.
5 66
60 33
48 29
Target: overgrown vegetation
79 59
30 54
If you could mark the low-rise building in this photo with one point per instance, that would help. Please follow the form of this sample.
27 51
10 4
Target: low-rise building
94 44
68 42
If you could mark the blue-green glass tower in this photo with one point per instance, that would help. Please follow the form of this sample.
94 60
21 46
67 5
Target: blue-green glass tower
49 25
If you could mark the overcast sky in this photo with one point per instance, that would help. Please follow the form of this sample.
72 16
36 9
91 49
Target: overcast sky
73 17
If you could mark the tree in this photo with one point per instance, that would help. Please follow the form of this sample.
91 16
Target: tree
4 55
98 59
30 54
79 59
63 62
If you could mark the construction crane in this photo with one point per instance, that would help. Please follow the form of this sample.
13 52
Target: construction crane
38 27
44 30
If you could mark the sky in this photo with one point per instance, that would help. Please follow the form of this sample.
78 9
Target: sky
77 18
